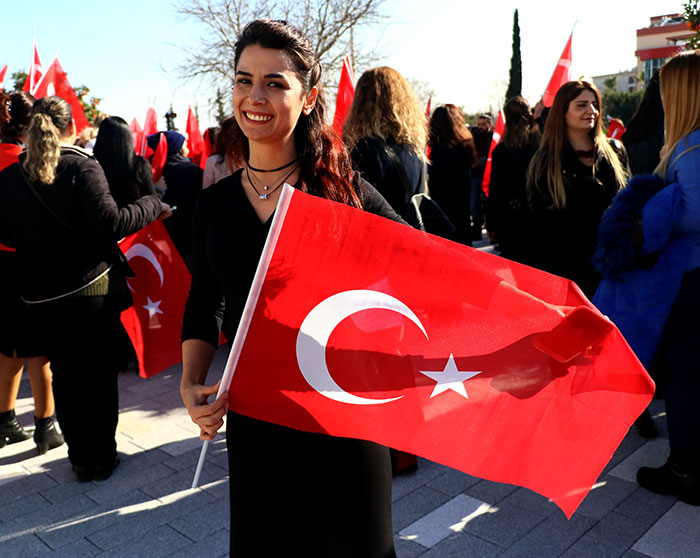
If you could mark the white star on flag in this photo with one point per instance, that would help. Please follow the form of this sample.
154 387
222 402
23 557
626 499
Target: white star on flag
153 307
450 379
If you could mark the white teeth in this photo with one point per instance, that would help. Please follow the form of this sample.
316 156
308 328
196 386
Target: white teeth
258 117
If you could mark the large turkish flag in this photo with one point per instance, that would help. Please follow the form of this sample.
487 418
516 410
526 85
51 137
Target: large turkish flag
159 289
55 82
358 326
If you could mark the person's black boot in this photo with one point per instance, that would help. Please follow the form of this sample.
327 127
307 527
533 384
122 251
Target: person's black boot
10 430
674 477
646 427
46 436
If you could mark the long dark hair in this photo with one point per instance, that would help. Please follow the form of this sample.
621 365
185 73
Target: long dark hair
447 127
114 149
325 166
648 119
15 114
521 130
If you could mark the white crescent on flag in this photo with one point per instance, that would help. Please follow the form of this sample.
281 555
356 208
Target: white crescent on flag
317 327
145 252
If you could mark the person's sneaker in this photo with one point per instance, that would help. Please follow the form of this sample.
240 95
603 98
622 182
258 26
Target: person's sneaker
671 478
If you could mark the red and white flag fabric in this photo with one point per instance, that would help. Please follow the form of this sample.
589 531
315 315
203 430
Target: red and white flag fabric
137 133
159 289
562 73
35 72
55 82
346 92
2 76
495 140
195 142
207 149
615 128
389 334
150 126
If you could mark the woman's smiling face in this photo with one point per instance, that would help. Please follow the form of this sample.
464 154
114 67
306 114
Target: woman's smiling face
268 97
583 112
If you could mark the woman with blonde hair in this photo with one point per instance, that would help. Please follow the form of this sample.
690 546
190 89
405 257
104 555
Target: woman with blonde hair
654 286
386 133
571 180
57 212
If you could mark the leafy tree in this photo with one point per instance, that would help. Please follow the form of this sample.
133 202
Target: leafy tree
329 24
621 104
19 78
89 105
515 85
610 83
691 14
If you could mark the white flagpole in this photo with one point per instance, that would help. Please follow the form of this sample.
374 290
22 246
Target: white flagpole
253 295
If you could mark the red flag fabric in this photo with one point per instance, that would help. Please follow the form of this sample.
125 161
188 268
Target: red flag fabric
55 82
392 335
150 126
561 75
35 72
207 149
2 76
137 133
495 139
159 289
159 158
195 142
346 91
615 128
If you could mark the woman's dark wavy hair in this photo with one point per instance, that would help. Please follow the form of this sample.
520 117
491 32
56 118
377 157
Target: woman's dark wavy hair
447 127
648 119
114 149
521 130
15 114
324 162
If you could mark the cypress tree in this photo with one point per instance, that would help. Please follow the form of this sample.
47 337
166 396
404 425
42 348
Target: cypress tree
515 84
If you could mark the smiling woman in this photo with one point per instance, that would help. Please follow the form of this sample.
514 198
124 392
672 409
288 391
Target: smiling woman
326 496
571 180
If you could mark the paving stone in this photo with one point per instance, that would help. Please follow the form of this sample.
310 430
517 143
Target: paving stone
617 530
78 548
23 486
630 444
215 545
503 524
181 480
634 554
407 548
592 549
651 454
414 506
453 482
444 520
29 504
490 492
676 534
205 521
461 545
607 494
551 537
529 500
407 483
161 541
646 506
24 546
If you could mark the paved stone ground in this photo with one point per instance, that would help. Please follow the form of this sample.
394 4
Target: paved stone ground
146 509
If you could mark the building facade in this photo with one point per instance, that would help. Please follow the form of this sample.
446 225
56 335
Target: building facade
664 37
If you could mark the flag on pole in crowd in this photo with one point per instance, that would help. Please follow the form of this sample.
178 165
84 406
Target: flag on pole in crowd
150 126
55 82
207 149
35 71
159 158
2 76
159 289
499 370
562 73
615 128
195 142
346 91
137 133
495 139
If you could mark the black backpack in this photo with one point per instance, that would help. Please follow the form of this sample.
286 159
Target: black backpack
422 212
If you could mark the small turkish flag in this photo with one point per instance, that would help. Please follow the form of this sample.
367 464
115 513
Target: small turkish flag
562 74
616 128
2 76
55 82
495 139
195 143
346 92
35 72
358 326
159 158
150 126
159 289
137 133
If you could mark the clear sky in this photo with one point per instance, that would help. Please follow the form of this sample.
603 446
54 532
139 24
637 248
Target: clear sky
126 51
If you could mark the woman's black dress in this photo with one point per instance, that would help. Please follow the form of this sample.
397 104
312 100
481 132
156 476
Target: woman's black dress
292 492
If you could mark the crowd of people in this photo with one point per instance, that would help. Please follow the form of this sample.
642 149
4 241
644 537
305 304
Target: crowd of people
557 186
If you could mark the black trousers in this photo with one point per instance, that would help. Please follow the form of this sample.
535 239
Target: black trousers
79 335
680 354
